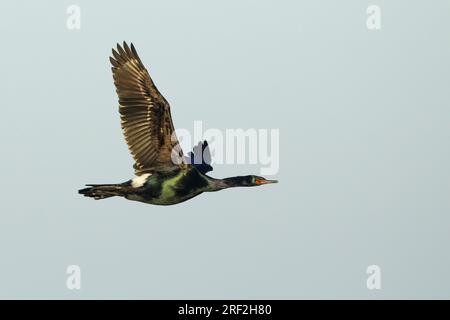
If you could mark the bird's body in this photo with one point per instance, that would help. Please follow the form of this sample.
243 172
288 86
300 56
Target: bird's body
163 175
172 186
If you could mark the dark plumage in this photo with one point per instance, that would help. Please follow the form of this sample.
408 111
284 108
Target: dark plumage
163 175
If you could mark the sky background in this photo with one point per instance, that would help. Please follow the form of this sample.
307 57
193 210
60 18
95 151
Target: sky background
364 150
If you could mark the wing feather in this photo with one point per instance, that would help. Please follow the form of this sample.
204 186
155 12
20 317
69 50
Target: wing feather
145 114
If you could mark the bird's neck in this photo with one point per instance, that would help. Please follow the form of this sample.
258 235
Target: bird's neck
231 182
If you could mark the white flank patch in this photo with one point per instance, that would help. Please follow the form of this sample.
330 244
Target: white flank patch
139 181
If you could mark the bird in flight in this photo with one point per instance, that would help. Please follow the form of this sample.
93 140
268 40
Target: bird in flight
164 176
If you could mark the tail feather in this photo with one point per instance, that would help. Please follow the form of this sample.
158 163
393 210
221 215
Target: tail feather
102 191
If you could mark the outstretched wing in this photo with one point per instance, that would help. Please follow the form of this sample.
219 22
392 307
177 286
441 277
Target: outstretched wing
145 114
200 157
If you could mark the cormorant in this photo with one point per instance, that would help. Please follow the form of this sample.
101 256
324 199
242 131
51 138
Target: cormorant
163 175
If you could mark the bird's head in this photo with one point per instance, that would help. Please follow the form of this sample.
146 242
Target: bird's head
244 181
259 181
252 181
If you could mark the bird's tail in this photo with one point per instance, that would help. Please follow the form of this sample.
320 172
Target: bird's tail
102 191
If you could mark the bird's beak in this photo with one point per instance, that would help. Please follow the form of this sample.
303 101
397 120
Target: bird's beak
264 181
